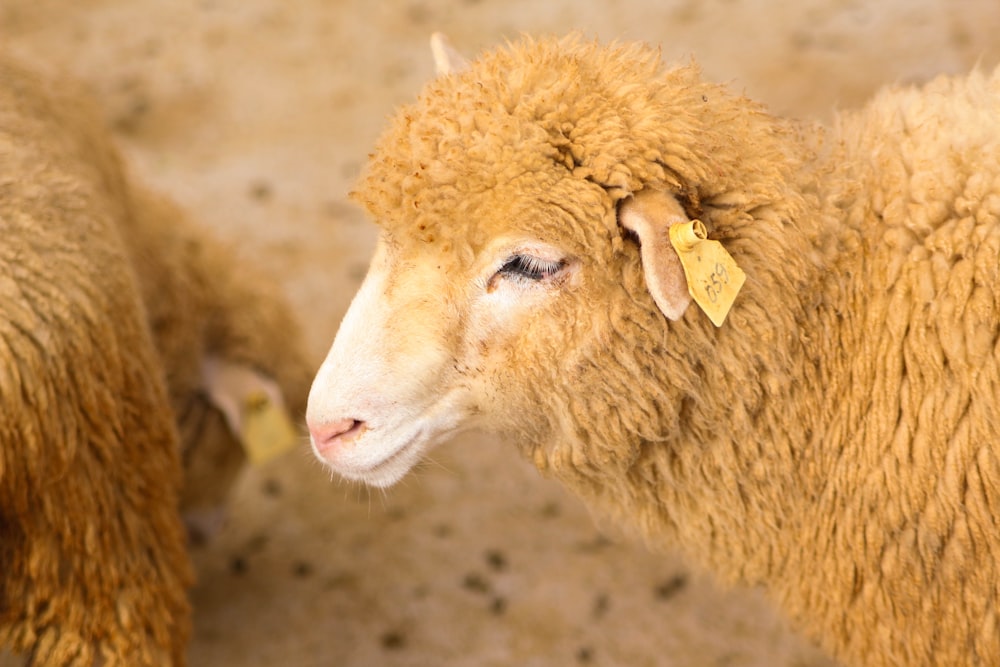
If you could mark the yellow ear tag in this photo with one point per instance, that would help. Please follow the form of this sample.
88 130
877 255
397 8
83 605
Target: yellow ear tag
267 429
713 277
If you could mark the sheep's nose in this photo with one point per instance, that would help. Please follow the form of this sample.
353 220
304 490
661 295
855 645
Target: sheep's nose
327 435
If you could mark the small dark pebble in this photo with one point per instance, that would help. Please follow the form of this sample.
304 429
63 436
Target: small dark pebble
442 530
261 190
238 565
496 560
584 655
357 272
197 538
337 210
551 510
601 605
418 14
671 587
302 569
350 169
597 544
271 487
498 606
131 119
341 580
257 543
476 582
393 641
140 107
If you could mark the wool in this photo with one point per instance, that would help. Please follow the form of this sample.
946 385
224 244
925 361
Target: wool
202 300
110 299
833 442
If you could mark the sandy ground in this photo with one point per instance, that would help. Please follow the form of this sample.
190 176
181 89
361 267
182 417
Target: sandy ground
257 115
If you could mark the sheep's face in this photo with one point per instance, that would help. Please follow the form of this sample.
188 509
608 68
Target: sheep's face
500 271
505 292
445 335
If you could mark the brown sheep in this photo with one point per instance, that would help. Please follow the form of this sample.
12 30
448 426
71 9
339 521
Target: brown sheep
834 441
115 315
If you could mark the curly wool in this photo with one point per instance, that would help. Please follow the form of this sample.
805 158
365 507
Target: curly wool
832 442
79 378
109 301
202 301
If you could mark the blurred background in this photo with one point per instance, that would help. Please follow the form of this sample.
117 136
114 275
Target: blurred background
257 115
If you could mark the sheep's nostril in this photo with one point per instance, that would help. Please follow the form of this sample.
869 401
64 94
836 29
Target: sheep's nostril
327 435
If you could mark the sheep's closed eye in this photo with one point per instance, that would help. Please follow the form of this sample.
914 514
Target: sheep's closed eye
525 269
529 268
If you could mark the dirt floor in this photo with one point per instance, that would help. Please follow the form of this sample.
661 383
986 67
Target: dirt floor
257 115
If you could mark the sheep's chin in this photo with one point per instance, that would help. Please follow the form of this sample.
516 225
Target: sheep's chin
373 458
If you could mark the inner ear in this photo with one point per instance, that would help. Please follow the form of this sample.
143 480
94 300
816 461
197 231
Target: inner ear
649 214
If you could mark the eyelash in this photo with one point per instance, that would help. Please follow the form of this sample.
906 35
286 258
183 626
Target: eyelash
526 267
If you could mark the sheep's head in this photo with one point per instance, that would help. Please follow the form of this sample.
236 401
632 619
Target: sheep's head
507 273
446 331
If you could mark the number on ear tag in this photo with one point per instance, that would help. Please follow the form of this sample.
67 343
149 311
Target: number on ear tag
713 277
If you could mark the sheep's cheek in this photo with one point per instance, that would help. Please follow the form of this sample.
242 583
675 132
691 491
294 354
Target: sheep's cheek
499 330
388 369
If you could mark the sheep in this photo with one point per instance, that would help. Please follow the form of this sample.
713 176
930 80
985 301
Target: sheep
128 337
831 440
226 337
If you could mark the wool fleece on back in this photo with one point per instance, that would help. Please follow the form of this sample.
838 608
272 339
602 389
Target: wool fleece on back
136 353
833 441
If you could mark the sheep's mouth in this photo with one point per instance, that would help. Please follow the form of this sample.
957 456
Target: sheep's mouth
396 454
364 463
395 461
380 452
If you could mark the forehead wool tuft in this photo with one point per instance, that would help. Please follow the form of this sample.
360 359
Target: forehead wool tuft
524 118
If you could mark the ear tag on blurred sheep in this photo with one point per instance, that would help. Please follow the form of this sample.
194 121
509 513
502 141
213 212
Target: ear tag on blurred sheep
713 278
253 408
267 430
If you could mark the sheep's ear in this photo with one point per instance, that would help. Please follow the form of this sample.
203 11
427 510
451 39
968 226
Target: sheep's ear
650 214
446 59
252 405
